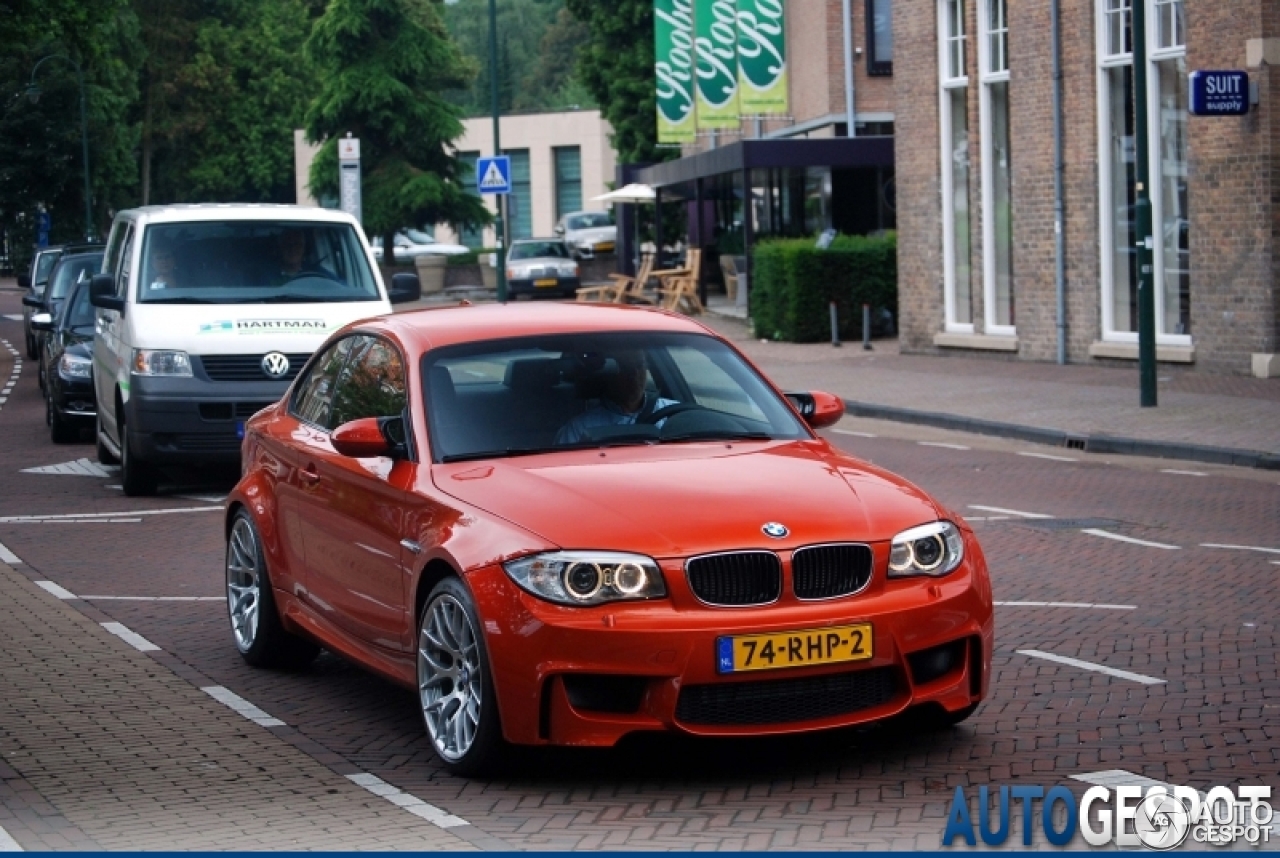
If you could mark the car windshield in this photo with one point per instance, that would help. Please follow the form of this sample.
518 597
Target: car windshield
70 271
78 313
538 249
548 393
589 221
417 236
44 264
247 262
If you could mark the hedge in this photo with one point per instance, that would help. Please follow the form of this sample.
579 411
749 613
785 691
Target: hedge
793 283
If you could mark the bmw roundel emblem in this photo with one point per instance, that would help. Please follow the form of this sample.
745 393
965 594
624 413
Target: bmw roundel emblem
275 364
775 530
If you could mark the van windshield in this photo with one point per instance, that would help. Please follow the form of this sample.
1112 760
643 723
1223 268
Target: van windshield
249 262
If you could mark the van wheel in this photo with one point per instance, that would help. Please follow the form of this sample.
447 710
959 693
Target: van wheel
137 477
104 454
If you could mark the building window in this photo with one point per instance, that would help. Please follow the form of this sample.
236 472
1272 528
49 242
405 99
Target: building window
469 237
997 175
954 127
1167 103
568 179
520 200
879 37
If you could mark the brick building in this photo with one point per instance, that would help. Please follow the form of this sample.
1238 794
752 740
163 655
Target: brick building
975 162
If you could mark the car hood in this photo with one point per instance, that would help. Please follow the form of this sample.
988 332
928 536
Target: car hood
692 498
595 233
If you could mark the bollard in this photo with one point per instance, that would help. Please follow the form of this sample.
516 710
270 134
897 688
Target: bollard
835 329
866 327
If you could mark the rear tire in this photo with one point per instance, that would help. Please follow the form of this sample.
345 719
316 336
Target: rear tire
137 477
251 605
32 354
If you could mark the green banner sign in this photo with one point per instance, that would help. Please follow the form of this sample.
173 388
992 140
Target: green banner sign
762 57
673 69
716 62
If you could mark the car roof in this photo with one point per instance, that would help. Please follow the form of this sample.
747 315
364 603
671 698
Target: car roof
80 252
436 327
554 238
187 212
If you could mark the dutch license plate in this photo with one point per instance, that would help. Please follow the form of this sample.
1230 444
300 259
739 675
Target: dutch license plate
605 245
546 281
803 648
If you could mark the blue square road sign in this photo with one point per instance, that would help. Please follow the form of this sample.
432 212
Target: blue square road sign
493 175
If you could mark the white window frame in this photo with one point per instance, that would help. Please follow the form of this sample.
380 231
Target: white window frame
947 83
987 76
1107 60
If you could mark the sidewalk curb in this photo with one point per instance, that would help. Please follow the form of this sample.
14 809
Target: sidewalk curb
1059 438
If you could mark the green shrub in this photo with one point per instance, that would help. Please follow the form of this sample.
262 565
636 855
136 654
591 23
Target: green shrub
793 283
472 258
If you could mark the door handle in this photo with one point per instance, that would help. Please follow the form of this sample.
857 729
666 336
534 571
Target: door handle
308 475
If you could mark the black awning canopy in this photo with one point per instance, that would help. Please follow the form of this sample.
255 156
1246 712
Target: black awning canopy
834 152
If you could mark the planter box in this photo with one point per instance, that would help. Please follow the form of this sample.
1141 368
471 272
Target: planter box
431 273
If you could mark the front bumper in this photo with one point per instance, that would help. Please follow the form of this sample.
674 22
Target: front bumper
589 676
73 398
191 420
563 286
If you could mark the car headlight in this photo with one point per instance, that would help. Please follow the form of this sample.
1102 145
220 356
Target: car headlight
569 270
75 366
156 362
587 577
930 549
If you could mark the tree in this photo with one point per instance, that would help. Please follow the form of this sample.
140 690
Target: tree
554 79
616 65
381 67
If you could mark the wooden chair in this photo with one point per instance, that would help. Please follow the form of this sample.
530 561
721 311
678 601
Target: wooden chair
682 292
622 286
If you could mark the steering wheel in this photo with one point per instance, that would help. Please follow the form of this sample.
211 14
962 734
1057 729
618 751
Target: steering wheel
664 413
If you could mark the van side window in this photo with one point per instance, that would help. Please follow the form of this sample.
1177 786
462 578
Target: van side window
114 243
313 403
126 262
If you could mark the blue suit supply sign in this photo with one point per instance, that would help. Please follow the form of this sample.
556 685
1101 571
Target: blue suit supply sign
1219 93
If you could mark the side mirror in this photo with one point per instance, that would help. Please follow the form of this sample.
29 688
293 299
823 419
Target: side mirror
42 322
30 300
559 230
405 287
818 409
369 437
102 293
24 281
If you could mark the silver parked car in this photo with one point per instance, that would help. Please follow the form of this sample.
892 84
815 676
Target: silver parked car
588 233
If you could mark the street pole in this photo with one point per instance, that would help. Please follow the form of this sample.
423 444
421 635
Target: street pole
34 92
1145 258
501 256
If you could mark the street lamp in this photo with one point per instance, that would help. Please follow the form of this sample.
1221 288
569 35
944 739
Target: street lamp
33 93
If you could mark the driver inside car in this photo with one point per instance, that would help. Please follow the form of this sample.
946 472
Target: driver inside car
291 251
625 400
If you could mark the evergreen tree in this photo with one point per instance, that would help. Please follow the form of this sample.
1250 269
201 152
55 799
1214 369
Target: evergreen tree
382 66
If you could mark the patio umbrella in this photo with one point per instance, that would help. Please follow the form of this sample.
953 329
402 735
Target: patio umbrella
633 194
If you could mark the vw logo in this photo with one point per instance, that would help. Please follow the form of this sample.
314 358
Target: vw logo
275 364
775 530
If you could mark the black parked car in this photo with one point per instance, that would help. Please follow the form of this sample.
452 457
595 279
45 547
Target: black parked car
34 282
67 355
75 265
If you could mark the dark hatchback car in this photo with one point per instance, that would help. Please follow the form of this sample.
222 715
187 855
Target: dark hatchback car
542 266
34 282
74 266
67 354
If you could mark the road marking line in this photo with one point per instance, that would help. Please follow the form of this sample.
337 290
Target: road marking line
78 468
13 317
237 703
943 444
54 590
1183 473
8 556
411 803
1016 512
1106 534
1096 605
150 598
1047 456
80 521
1240 547
89 516
7 843
130 637
1088 665
851 432
988 517
218 499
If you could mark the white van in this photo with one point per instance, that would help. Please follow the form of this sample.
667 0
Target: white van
206 313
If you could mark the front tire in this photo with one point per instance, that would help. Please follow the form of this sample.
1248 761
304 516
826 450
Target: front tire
60 431
32 352
138 478
255 622
455 683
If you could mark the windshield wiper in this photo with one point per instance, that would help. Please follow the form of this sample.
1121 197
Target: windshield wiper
617 441
717 435
494 454
179 300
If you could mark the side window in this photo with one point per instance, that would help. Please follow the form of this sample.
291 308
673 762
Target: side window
313 403
114 243
372 383
126 263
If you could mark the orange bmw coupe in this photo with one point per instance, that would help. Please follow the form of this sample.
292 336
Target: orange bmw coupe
565 523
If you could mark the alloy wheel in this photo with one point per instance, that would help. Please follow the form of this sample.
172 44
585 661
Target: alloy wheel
450 682
243 583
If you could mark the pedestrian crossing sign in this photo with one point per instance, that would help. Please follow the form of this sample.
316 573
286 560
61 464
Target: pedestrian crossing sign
493 175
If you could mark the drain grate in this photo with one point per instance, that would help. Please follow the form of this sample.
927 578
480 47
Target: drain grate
1075 443
1070 523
